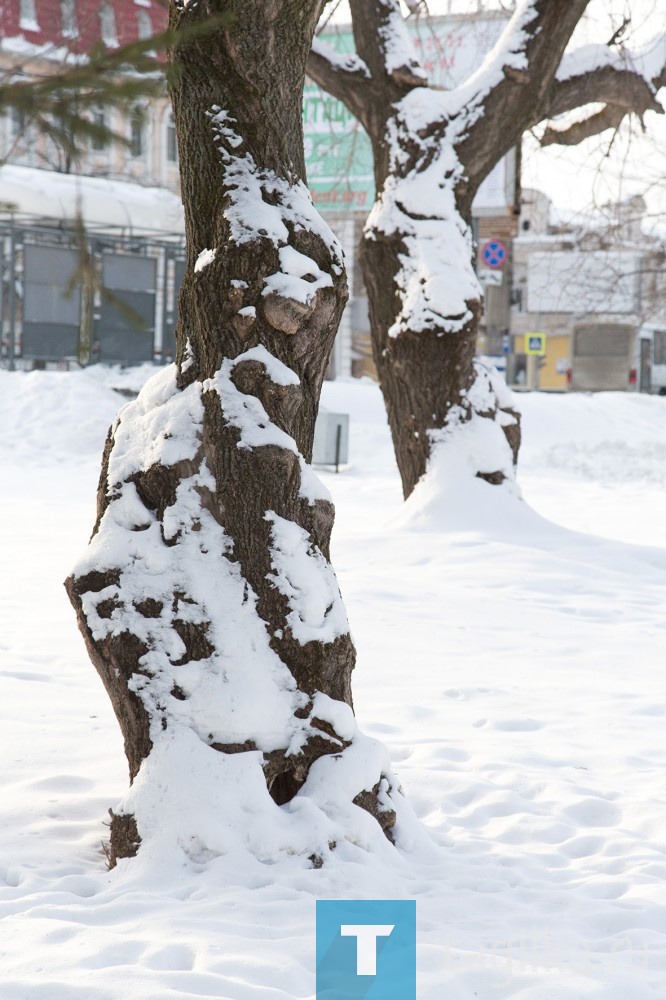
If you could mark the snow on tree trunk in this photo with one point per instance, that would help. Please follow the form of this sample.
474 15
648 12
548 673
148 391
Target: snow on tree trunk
425 300
206 597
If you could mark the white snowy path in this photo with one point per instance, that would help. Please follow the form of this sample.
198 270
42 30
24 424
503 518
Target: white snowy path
514 667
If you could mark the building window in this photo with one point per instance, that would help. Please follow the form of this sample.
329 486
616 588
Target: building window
659 347
136 138
28 15
70 28
171 140
107 24
143 24
18 122
98 142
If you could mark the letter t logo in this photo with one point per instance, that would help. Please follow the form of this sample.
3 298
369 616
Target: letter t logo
366 944
366 948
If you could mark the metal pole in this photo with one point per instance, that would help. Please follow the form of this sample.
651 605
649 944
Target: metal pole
87 295
158 253
338 439
12 295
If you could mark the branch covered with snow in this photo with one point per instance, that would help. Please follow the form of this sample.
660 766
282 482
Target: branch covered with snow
384 44
399 57
624 82
349 64
512 82
345 77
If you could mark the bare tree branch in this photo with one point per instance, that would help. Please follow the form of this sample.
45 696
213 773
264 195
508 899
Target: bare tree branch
383 70
606 85
622 90
529 53
382 41
609 117
618 34
345 77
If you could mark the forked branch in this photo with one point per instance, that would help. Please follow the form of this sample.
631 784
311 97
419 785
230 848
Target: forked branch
346 78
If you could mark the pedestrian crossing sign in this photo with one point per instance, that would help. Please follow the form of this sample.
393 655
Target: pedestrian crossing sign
535 343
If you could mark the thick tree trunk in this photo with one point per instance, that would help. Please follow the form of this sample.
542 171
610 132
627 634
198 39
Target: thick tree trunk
423 374
206 599
425 304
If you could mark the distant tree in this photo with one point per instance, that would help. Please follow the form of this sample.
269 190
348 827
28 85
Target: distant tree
432 150
206 598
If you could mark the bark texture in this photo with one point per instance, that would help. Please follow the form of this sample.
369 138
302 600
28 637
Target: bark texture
184 587
421 372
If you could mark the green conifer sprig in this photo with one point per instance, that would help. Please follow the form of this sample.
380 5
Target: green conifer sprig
61 100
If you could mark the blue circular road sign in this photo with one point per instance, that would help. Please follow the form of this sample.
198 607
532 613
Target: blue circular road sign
494 253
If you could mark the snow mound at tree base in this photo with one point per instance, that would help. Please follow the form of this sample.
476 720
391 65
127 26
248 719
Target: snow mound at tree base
453 495
192 803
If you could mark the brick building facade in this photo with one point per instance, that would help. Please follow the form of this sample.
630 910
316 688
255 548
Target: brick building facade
37 35
76 25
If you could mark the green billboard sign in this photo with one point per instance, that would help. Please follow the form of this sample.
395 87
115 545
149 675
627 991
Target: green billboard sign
338 153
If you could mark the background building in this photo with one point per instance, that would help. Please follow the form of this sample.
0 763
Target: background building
596 291
38 35
107 292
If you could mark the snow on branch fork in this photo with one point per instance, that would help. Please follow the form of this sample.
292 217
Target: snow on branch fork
206 596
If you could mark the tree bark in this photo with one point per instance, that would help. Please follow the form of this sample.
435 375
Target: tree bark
427 370
206 598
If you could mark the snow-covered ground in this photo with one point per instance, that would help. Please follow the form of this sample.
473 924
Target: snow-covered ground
511 657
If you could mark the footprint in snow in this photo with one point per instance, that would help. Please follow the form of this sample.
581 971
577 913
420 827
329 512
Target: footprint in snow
517 725
594 812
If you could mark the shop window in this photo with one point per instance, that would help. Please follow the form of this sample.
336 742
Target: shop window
137 133
171 141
